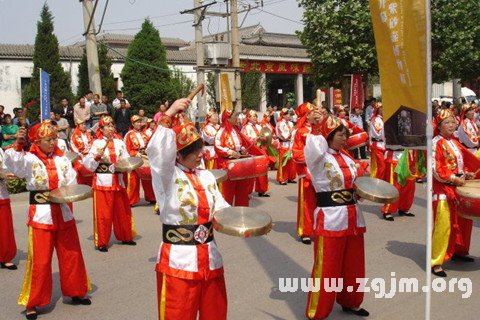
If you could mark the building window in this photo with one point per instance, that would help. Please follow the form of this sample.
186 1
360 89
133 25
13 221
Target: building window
24 82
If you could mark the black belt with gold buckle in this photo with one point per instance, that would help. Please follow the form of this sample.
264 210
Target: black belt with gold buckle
103 168
40 197
188 234
336 198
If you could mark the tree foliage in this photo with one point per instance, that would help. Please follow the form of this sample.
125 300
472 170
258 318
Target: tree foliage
252 89
106 75
47 57
455 39
146 77
339 38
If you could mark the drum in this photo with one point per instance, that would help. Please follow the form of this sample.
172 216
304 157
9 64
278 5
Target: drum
144 172
242 222
469 199
357 140
246 168
73 193
376 190
219 174
128 164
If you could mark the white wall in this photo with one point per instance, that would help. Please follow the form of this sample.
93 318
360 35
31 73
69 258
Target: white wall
11 72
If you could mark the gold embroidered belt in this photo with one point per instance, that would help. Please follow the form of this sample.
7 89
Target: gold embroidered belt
336 198
188 234
105 168
40 197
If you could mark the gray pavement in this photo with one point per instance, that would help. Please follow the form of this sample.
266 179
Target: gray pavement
124 279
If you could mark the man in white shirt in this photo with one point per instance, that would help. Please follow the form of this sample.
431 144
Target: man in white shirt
119 97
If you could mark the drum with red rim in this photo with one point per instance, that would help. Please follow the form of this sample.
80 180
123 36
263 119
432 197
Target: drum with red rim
245 168
468 197
357 140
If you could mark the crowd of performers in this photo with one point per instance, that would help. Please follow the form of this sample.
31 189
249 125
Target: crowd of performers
315 153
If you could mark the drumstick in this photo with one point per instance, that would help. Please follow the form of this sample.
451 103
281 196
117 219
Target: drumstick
200 87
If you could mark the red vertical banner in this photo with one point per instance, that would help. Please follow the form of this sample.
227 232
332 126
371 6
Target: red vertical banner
337 97
356 92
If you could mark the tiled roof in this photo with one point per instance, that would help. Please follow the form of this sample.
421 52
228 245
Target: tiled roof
274 39
127 38
25 51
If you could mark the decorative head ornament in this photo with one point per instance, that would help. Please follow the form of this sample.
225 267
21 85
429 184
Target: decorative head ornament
329 124
104 121
186 135
43 130
304 109
135 118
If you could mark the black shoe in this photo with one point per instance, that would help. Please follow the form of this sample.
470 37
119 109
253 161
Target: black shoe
129 243
103 249
31 314
388 217
462 258
263 194
3 265
405 213
292 181
82 301
283 183
360 312
440 273
306 240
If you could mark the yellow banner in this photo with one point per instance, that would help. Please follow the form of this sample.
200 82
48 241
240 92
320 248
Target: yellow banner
400 38
225 95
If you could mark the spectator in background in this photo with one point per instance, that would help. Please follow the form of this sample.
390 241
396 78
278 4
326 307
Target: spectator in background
106 101
119 97
2 108
81 112
20 113
160 113
67 112
62 124
122 118
97 110
9 131
89 98
141 114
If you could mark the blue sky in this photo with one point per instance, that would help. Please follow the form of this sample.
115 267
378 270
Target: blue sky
18 18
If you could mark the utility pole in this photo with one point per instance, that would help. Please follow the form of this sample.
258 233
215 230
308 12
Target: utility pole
198 17
236 54
91 46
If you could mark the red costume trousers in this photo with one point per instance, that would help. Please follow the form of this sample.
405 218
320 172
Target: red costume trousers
377 162
307 202
187 299
261 184
133 188
406 192
8 247
112 207
37 284
336 258
451 233
236 192
287 171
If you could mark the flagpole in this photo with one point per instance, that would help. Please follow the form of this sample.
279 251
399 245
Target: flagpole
41 96
429 135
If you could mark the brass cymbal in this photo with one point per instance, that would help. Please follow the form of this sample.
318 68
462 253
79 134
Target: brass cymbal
219 174
128 164
266 133
376 190
242 222
70 193
72 156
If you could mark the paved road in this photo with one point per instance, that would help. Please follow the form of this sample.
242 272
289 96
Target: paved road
124 280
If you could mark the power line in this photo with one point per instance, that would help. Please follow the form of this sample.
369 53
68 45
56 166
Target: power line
156 26
278 16
141 19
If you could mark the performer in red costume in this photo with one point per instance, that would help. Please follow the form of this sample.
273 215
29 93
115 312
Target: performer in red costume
110 199
190 281
136 142
251 129
230 143
452 165
338 222
81 141
50 225
8 246
308 116
468 129
209 131
377 143
286 167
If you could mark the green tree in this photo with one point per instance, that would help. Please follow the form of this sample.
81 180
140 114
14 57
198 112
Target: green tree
46 56
252 87
211 92
339 38
146 76
183 85
455 39
106 75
